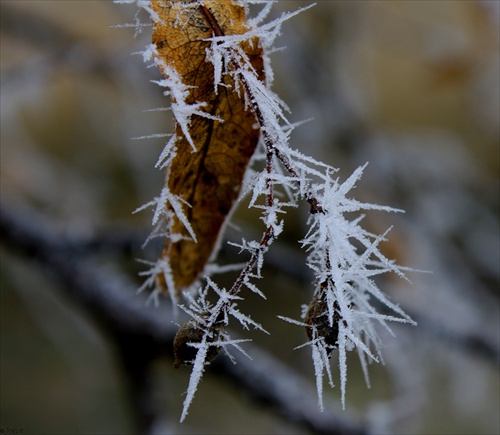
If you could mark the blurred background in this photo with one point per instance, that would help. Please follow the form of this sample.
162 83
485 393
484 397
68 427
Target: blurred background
411 87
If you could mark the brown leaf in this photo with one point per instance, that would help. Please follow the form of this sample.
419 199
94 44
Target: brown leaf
209 179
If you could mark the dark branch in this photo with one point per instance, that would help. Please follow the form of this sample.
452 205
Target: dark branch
135 329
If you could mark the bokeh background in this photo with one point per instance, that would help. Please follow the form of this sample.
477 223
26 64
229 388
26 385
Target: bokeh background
411 87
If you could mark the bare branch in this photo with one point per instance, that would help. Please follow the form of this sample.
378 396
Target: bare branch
110 297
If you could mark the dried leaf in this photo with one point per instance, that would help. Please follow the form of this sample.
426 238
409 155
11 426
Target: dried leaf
208 179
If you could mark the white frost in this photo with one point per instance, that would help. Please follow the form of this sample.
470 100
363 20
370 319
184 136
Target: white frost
343 256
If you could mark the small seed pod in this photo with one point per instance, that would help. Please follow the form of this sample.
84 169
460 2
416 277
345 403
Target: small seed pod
317 317
191 332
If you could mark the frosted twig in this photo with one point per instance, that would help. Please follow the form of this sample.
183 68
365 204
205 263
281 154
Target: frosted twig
343 256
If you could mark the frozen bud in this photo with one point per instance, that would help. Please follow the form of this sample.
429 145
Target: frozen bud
317 318
192 332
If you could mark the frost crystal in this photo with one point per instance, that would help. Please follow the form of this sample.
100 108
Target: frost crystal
344 258
344 314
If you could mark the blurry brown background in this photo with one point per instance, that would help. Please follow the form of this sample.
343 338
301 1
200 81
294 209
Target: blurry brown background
412 87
